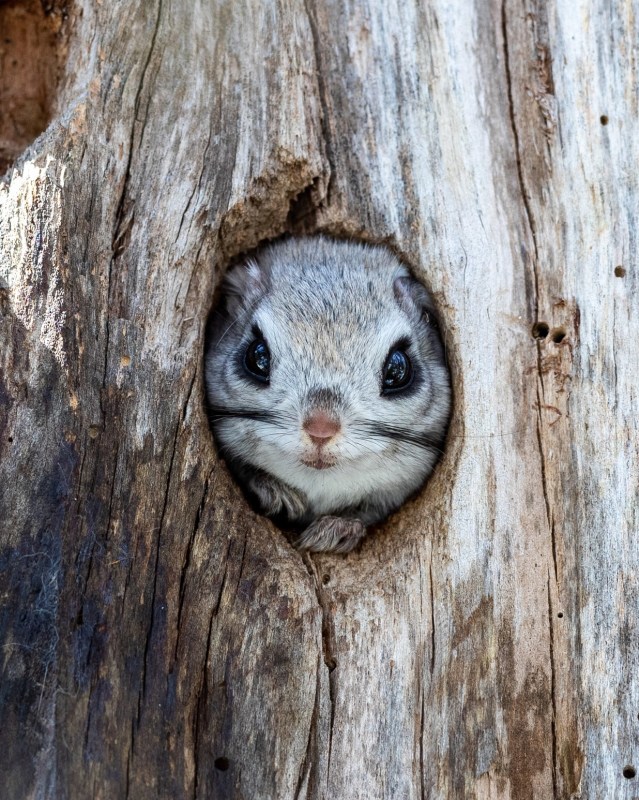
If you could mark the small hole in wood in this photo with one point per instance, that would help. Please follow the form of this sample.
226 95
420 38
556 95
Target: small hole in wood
558 336
603 119
326 579
221 763
560 615
629 772
620 272
540 330
10 439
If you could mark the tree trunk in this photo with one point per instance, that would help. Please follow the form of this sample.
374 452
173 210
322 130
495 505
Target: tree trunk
161 640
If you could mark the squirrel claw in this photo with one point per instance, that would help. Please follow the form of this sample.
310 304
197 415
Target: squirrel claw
275 497
335 534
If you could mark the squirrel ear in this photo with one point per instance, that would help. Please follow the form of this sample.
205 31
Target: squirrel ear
244 284
413 299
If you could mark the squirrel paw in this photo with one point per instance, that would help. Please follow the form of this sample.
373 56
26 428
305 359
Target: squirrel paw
335 534
275 497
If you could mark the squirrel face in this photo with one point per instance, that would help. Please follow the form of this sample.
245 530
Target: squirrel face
325 370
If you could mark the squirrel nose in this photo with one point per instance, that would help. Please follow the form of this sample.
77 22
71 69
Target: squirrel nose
320 427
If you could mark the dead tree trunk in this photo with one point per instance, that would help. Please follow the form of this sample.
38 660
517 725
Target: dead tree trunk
159 639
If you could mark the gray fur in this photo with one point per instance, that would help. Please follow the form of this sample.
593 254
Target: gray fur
330 311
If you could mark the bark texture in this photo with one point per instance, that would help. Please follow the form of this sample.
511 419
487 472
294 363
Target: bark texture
159 639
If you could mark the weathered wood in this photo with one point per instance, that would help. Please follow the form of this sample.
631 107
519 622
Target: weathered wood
160 640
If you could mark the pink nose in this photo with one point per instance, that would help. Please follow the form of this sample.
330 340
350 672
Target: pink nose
320 427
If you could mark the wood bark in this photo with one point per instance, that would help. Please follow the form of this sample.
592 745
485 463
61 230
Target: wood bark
161 640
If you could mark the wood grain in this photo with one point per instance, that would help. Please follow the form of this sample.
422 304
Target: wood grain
159 639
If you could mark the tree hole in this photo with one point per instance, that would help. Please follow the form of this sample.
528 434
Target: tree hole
283 381
629 772
558 335
30 60
603 119
540 330
221 763
620 272
560 615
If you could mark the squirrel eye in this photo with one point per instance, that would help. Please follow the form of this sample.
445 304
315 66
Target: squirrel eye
257 360
397 373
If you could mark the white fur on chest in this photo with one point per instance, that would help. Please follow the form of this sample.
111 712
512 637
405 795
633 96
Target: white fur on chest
346 485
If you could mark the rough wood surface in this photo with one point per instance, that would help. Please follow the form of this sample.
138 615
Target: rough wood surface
159 640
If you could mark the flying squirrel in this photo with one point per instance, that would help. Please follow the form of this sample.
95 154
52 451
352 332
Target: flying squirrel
328 390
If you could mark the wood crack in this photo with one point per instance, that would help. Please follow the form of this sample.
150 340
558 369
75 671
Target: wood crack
200 701
553 721
147 643
307 765
327 646
107 527
239 572
323 95
432 615
187 557
196 187
125 210
544 485
216 607
187 562
520 173
124 214
129 756
542 460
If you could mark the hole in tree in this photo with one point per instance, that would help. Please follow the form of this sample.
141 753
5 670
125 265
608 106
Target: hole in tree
629 772
540 330
560 615
221 763
246 397
620 272
30 56
558 335
326 579
603 119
